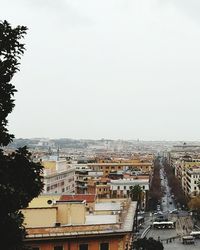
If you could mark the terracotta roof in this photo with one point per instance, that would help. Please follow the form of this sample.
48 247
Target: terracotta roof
122 164
136 176
77 197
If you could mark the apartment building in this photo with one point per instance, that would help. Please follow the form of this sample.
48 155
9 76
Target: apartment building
100 187
84 176
59 177
192 181
122 188
58 225
108 168
184 168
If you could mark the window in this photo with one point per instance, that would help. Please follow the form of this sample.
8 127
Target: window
83 247
58 247
104 246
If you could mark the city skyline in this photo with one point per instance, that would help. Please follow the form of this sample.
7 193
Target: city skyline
108 69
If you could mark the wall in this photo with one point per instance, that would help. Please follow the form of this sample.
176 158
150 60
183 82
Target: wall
39 217
115 243
41 201
71 213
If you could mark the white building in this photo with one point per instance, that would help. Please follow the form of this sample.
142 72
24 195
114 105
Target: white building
59 177
192 179
121 188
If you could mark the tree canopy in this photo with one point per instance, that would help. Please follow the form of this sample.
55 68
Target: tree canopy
20 178
147 244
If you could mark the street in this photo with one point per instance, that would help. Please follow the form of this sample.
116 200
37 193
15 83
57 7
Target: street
171 238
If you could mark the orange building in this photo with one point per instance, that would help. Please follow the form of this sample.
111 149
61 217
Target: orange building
107 168
46 239
99 187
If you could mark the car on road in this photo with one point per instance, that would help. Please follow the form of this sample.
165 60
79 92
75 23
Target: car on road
175 211
158 213
141 212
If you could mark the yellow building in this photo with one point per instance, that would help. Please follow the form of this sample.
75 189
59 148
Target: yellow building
107 168
68 226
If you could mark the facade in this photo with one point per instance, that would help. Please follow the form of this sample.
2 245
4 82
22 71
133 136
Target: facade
100 187
109 168
192 179
122 188
187 170
84 176
59 177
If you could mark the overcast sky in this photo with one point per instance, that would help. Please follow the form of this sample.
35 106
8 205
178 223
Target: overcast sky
114 69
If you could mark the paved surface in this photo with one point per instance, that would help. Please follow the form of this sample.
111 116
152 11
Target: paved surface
171 238
177 244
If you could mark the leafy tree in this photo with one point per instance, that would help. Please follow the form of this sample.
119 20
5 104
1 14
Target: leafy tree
194 203
155 192
136 193
175 185
20 178
147 244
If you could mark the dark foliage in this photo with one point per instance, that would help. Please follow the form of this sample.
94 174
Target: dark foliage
155 192
136 193
10 52
20 178
175 185
147 244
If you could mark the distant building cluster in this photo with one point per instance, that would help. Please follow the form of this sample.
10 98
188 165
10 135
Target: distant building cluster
86 200
185 159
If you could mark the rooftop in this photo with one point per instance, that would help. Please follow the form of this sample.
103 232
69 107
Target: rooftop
89 198
129 181
120 222
122 164
111 206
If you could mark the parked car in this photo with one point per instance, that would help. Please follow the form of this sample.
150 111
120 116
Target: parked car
175 211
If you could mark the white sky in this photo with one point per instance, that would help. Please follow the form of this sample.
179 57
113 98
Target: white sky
123 69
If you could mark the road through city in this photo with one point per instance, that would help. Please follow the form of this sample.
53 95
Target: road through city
171 238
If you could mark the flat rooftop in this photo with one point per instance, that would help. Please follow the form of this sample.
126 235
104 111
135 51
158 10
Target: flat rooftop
109 206
101 219
95 225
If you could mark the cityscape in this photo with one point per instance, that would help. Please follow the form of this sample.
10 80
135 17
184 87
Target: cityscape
106 194
99 125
